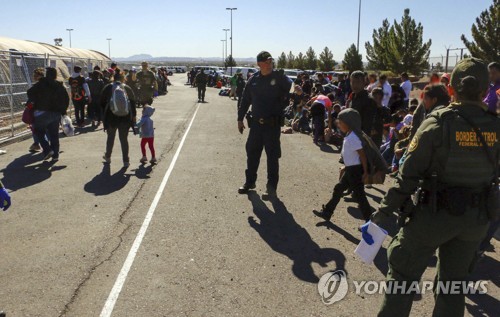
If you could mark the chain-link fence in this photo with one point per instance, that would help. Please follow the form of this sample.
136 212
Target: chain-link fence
16 77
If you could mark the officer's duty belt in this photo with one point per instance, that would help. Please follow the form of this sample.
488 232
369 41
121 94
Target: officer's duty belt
467 198
273 121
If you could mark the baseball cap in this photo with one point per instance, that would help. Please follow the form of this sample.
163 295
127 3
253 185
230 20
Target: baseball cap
470 67
264 56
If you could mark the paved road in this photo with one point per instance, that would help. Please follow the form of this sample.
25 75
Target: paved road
207 251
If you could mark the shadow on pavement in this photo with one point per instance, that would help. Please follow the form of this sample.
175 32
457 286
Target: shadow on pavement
20 173
380 261
285 236
486 269
105 183
143 171
328 149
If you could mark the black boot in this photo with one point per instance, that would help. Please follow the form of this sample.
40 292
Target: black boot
270 193
327 215
246 188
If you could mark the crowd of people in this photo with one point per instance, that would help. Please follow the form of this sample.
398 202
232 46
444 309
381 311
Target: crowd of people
110 96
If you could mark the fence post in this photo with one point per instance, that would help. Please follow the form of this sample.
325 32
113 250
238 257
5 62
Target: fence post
11 95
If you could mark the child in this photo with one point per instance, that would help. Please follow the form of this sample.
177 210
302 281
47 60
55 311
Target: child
356 166
147 134
318 119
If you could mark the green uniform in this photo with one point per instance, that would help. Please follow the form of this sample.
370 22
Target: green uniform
146 81
446 158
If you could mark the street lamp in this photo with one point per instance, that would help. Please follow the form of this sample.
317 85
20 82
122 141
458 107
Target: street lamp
223 59
69 30
359 24
232 57
109 47
225 30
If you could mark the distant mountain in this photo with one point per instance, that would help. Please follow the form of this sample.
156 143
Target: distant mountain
149 58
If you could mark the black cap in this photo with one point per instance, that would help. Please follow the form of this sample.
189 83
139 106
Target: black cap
264 56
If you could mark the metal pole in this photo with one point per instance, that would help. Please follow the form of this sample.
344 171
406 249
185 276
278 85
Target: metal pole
225 30
11 95
359 25
223 60
447 57
232 56
109 47
69 30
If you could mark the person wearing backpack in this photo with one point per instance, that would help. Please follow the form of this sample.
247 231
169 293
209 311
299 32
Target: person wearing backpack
357 153
119 108
80 95
96 85
50 100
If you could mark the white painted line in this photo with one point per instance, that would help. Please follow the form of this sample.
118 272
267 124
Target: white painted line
120 280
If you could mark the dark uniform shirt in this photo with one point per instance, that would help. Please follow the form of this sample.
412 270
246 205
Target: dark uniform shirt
268 95
367 109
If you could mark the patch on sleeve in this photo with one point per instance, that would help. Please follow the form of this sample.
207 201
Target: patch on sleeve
413 144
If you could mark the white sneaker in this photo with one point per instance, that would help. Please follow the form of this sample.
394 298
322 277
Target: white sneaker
153 160
143 160
49 155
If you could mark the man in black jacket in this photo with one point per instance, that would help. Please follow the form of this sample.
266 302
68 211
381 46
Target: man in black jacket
112 122
50 101
362 102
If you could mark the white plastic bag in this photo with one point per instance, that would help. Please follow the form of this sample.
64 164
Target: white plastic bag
67 126
367 252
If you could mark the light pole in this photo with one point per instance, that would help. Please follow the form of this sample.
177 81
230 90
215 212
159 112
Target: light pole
225 30
223 59
69 30
359 24
232 57
109 47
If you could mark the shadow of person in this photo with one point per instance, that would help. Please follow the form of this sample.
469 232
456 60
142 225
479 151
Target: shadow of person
22 172
380 260
324 147
105 183
486 269
285 236
376 199
142 172
355 213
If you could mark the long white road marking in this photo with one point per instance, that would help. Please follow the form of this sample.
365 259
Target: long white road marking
120 280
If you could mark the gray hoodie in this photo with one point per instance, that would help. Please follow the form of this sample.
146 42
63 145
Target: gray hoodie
146 123
353 120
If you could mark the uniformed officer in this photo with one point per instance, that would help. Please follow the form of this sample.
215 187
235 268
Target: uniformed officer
448 162
268 93
146 81
201 81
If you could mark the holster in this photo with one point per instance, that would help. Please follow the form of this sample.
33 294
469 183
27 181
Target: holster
405 212
249 118
455 200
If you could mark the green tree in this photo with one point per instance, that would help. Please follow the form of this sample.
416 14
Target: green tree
400 47
311 60
376 53
352 59
407 51
300 62
230 62
486 35
326 61
290 60
281 61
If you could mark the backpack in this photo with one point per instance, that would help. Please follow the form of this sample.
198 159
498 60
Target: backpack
119 103
77 91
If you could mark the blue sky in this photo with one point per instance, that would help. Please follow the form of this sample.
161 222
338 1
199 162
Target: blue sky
193 28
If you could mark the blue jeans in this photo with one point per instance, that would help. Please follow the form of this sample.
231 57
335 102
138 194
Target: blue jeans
48 124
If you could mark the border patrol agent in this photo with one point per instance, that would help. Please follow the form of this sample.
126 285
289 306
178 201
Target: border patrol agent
456 175
268 93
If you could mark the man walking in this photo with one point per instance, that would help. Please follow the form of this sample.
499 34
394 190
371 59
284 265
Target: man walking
268 93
